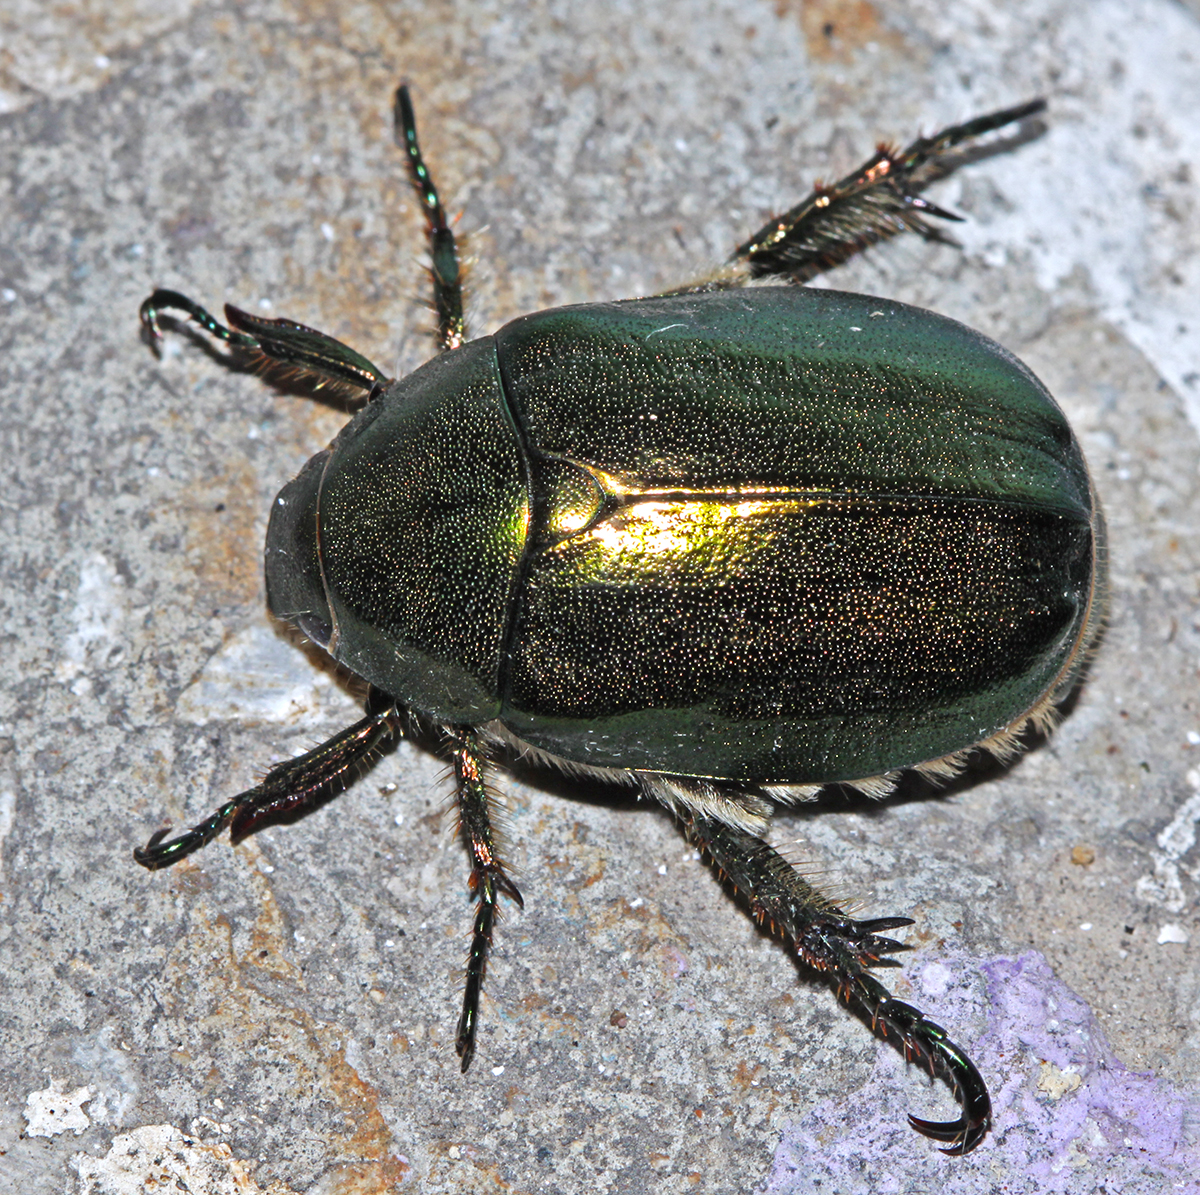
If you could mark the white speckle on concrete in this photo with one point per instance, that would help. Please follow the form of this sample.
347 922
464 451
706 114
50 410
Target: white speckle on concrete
258 677
1164 886
158 1157
936 979
98 614
53 1111
8 806
1126 235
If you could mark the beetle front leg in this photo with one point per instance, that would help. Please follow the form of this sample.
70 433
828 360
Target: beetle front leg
303 351
488 880
291 788
828 940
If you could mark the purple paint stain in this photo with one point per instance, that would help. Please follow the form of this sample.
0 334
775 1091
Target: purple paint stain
1070 1118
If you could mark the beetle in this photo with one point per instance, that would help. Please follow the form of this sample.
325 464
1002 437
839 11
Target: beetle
725 545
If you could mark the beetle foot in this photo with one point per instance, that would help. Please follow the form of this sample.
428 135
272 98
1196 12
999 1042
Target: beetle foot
161 300
928 1043
157 853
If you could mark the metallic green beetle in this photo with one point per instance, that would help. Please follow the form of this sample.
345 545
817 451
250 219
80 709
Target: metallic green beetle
727 545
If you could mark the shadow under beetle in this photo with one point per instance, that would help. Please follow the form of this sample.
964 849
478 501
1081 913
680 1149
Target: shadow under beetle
725 545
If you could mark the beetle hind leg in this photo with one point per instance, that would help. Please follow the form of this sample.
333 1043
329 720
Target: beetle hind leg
488 879
878 200
826 939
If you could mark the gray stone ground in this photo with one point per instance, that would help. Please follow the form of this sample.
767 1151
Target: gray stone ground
279 1017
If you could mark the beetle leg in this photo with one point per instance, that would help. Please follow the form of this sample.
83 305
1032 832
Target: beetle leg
443 251
280 342
291 788
488 880
878 200
828 940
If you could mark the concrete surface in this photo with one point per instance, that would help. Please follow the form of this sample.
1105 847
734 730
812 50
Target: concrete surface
279 1018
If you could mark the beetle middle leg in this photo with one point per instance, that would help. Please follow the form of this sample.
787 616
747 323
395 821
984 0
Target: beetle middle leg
826 939
444 266
488 879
